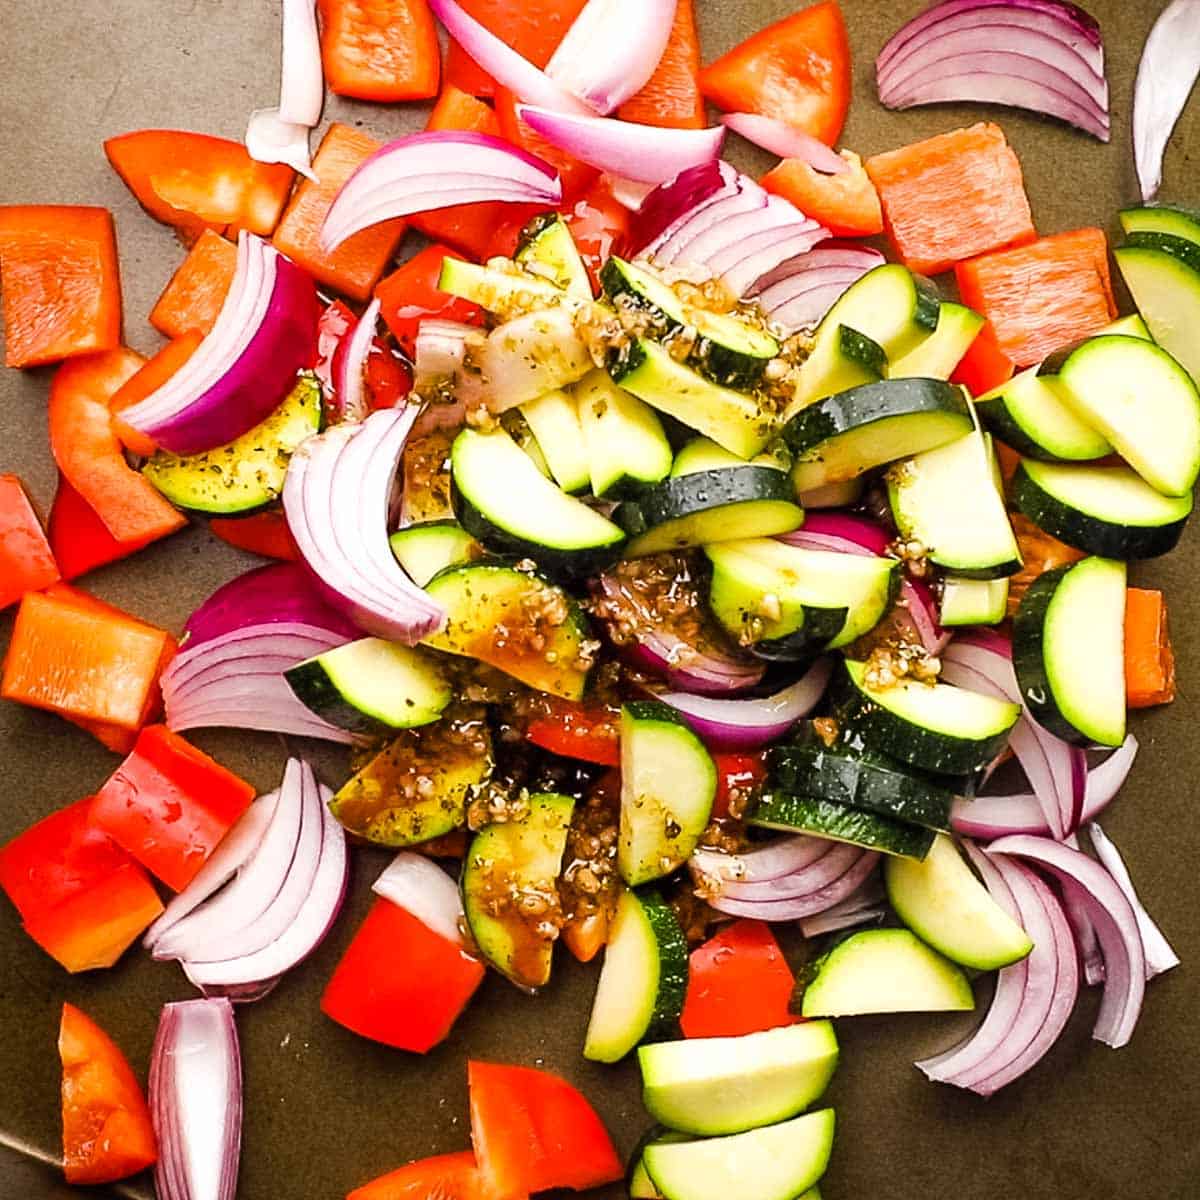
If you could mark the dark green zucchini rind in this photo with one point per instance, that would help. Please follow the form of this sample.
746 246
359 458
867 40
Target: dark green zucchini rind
841 823
672 965
821 626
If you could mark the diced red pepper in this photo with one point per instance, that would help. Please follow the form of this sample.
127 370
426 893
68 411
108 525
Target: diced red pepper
1149 658
336 322
193 181
1042 296
736 773
533 28
59 282
80 540
264 533
984 366
107 1133
588 732
193 297
355 266
399 982
80 896
952 197
384 50
576 176
410 295
444 1177
148 379
797 70
738 982
169 805
26 561
533 1131
387 379
672 98
846 204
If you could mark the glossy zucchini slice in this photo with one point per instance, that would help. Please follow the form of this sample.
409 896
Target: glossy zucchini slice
1167 292
554 422
503 293
972 601
1029 414
626 446
841 823
936 356
427 548
547 249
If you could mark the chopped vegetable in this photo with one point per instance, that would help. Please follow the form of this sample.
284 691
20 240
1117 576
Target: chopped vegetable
262 533
797 70
193 297
1039 553
1149 657
169 804
355 267
386 51
150 376
60 283
401 983
410 295
984 366
1043 296
738 982
952 197
80 896
107 1133
80 540
672 97
196 182
576 175
26 561
846 203
590 733
445 1176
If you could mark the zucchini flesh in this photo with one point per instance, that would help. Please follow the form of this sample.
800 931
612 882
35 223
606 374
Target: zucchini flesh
936 356
1162 218
554 420
841 823
1166 291
531 355
547 249
972 601
623 436
703 454
1029 414
427 548
503 293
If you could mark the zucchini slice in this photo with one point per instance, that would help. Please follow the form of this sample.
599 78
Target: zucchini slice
853 360
936 356
843 436
427 548
1029 414
505 294
248 473
972 601
510 886
727 348
889 305
940 728
623 438
950 500
723 1085
1167 293
736 420
372 684
703 454
841 823
505 502
416 788
943 903
779 1162
885 971
641 1186
425 470
554 421
531 355
709 506
1109 511
783 601
1162 218
668 783
1143 402
643 980
547 249
516 621
1069 651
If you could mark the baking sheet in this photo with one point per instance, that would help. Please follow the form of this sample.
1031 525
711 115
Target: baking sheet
325 1110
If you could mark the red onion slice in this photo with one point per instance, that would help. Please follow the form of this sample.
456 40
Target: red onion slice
918 602
611 50
798 907
784 857
748 724
196 1101
708 232
865 906
234 850
350 387
764 252
1166 75
800 291
1160 957
820 874
353 565
284 641
854 258
270 139
432 170
1116 927
672 203
787 141
419 886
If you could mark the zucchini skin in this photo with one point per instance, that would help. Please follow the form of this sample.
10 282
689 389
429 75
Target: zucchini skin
1091 534
821 626
870 830
672 966
686 495
996 419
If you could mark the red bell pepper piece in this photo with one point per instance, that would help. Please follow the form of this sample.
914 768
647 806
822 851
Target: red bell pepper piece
148 379
107 1133
193 297
59 282
399 982
797 70
588 732
672 98
264 533
80 896
984 366
533 28
169 804
26 560
736 773
443 1177
576 176
738 982
82 658
951 197
410 295
1042 296
386 377
80 540
846 204
385 51
533 1131
193 181
355 266
335 323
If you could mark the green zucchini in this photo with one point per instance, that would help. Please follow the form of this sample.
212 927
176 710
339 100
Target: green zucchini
546 249
554 420
841 823
623 438
1162 218
503 293
1029 414
936 355
1167 293
972 601
428 547
703 454
531 355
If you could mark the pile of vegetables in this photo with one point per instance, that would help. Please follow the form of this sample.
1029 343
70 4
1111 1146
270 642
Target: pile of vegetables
668 561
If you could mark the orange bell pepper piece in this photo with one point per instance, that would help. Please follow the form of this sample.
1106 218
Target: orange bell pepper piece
672 98
984 366
193 297
26 561
1040 552
148 379
385 50
60 282
576 176
445 1176
846 204
1149 656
